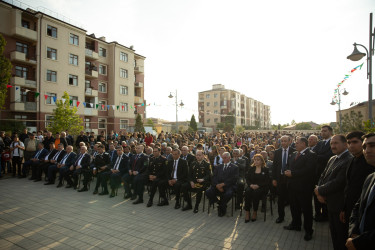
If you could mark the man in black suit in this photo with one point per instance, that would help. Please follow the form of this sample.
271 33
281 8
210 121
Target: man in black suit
118 168
278 178
65 163
37 170
157 172
300 168
313 142
186 155
52 168
324 153
362 221
102 164
137 175
35 161
331 187
81 165
177 172
356 173
223 184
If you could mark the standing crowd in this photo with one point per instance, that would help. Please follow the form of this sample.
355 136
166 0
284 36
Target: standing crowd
326 174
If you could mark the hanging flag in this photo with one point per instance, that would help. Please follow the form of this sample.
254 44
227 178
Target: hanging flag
45 97
9 86
27 90
18 88
122 107
84 104
78 103
143 104
107 107
353 70
114 107
103 106
36 94
118 107
360 66
92 105
63 100
54 99
97 106
71 102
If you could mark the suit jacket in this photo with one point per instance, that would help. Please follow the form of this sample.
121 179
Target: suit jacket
229 176
189 158
102 160
123 165
324 152
50 154
85 162
71 159
182 170
112 155
302 169
200 171
356 173
42 155
278 161
139 164
158 167
262 179
61 155
242 168
332 182
366 240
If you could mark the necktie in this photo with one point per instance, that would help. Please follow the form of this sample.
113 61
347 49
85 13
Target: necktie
80 158
135 161
225 167
369 200
37 154
117 162
64 159
174 168
298 155
56 156
284 161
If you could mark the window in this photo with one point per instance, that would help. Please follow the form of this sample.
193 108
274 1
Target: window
73 80
102 87
102 52
51 31
102 69
123 57
216 112
25 24
87 123
21 47
49 120
73 59
215 104
123 90
207 95
215 95
87 84
101 107
124 107
102 123
52 53
207 104
74 100
215 120
124 124
50 98
21 71
208 120
51 75
123 73
73 39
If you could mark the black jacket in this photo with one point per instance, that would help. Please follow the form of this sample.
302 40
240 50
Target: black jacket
182 170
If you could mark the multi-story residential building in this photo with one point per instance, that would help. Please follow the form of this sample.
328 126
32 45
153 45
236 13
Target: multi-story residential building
215 104
50 56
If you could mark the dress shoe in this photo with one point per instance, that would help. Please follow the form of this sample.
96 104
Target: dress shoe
279 220
36 180
133 197
95 191
254 217
83 189
164 202
291 227
308 236
104 193
112 194
149 203
247 221
31 178
177 206
68 186
137 202
127 196
222 213
187 207
49 183
196 209
59 185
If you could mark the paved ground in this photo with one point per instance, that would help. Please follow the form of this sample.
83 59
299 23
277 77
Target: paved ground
34 216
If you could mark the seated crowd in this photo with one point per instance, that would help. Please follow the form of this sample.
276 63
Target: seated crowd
331 174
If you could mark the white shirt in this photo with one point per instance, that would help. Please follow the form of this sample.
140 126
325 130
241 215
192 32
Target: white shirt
117 164
64 159
79 162
175 164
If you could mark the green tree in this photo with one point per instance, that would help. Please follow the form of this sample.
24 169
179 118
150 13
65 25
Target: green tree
151 124
5 72
193 124
303 126
368 127
139 124
65 117
239 129
12 126
293 122
352 122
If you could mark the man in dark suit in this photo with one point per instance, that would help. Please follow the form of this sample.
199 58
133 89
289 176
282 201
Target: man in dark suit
331 187
324 153
81 165
35 160
118 168
186 155
137 175
177 172
362 221
356 173
81 138
52 168
278 178
300 168
102 164
37 170
223 184
313 142
65 163
157 172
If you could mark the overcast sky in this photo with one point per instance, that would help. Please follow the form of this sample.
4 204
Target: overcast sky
287 54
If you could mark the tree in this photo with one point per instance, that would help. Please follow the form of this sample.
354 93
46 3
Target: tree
352 122
65 117
5 72
293 122
368 128
151 124
303 126
193 124
139 124
239 129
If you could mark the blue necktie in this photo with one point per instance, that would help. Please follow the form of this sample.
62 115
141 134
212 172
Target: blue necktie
369 200
284 161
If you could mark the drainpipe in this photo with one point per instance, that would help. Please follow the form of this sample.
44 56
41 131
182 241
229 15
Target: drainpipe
40 68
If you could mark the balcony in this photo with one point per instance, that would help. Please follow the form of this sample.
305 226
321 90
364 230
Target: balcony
23 106
138 85
16 56
90 54
138 69
91 92
24 33
90 112
138 100
20 81
91 74
223 106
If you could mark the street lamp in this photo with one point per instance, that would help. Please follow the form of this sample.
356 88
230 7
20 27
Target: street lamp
357 55
181 104
339 104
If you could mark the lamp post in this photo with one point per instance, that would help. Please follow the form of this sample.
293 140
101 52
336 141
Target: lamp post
357 55
181 104
339 104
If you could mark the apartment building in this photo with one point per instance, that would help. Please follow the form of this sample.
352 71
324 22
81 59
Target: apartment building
215 104
49 56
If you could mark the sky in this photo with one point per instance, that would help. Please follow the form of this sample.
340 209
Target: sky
288 54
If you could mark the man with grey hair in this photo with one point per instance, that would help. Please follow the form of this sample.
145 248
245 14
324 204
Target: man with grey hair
168 153
313 141
223 184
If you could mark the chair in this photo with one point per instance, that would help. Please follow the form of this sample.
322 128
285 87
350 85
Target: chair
234 200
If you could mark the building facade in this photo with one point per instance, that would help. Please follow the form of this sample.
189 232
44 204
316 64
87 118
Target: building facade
216 104
104 80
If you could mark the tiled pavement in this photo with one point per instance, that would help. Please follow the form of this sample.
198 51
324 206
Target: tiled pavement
35 216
